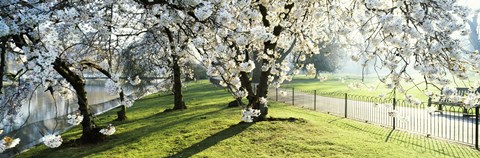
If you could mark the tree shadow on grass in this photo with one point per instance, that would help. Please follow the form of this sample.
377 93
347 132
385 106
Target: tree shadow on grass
335 120
416 141
213 139
134 135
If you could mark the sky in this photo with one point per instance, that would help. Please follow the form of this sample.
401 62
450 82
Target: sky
473 4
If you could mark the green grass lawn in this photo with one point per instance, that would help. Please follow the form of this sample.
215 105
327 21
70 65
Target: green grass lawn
335 84
209 129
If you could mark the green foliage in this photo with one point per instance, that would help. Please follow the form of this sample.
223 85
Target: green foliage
209 129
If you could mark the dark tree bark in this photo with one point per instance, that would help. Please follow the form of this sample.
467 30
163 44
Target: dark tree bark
179 104
262 91
122 114
247 85
256 78
3 63
90 134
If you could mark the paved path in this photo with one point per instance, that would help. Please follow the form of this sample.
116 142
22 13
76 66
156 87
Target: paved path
451 126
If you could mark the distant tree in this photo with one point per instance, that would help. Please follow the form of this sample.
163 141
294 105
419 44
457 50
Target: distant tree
473 38
196 72
327 60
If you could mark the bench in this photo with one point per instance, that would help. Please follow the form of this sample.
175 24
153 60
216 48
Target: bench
461 92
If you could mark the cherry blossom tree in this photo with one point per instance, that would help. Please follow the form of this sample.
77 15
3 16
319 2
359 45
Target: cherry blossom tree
20 42
60 40
160 58
164 47
417 34
278 35
396 34
78 48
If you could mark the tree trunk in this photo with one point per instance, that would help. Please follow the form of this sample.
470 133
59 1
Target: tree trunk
262 91
258 70
122 114
247 85
3 63
89 132
179 104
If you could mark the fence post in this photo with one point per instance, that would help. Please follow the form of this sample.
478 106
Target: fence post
476 127
276 94
293 96
394 107
315 100
346 105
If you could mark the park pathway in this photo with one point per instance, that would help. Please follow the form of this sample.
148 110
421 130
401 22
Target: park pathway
416 119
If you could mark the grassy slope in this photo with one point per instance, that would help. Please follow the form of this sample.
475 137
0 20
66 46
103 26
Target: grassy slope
208 129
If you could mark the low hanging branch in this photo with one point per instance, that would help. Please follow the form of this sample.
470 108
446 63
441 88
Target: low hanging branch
122 113
104 72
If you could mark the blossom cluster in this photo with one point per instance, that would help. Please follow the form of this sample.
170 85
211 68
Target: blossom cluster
283 93
310 69
263 100
449 91
204 11
249 113
135 81
241 93
413 100
52 141
399 116
74 119
7 143
108 131
112 87
468 100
